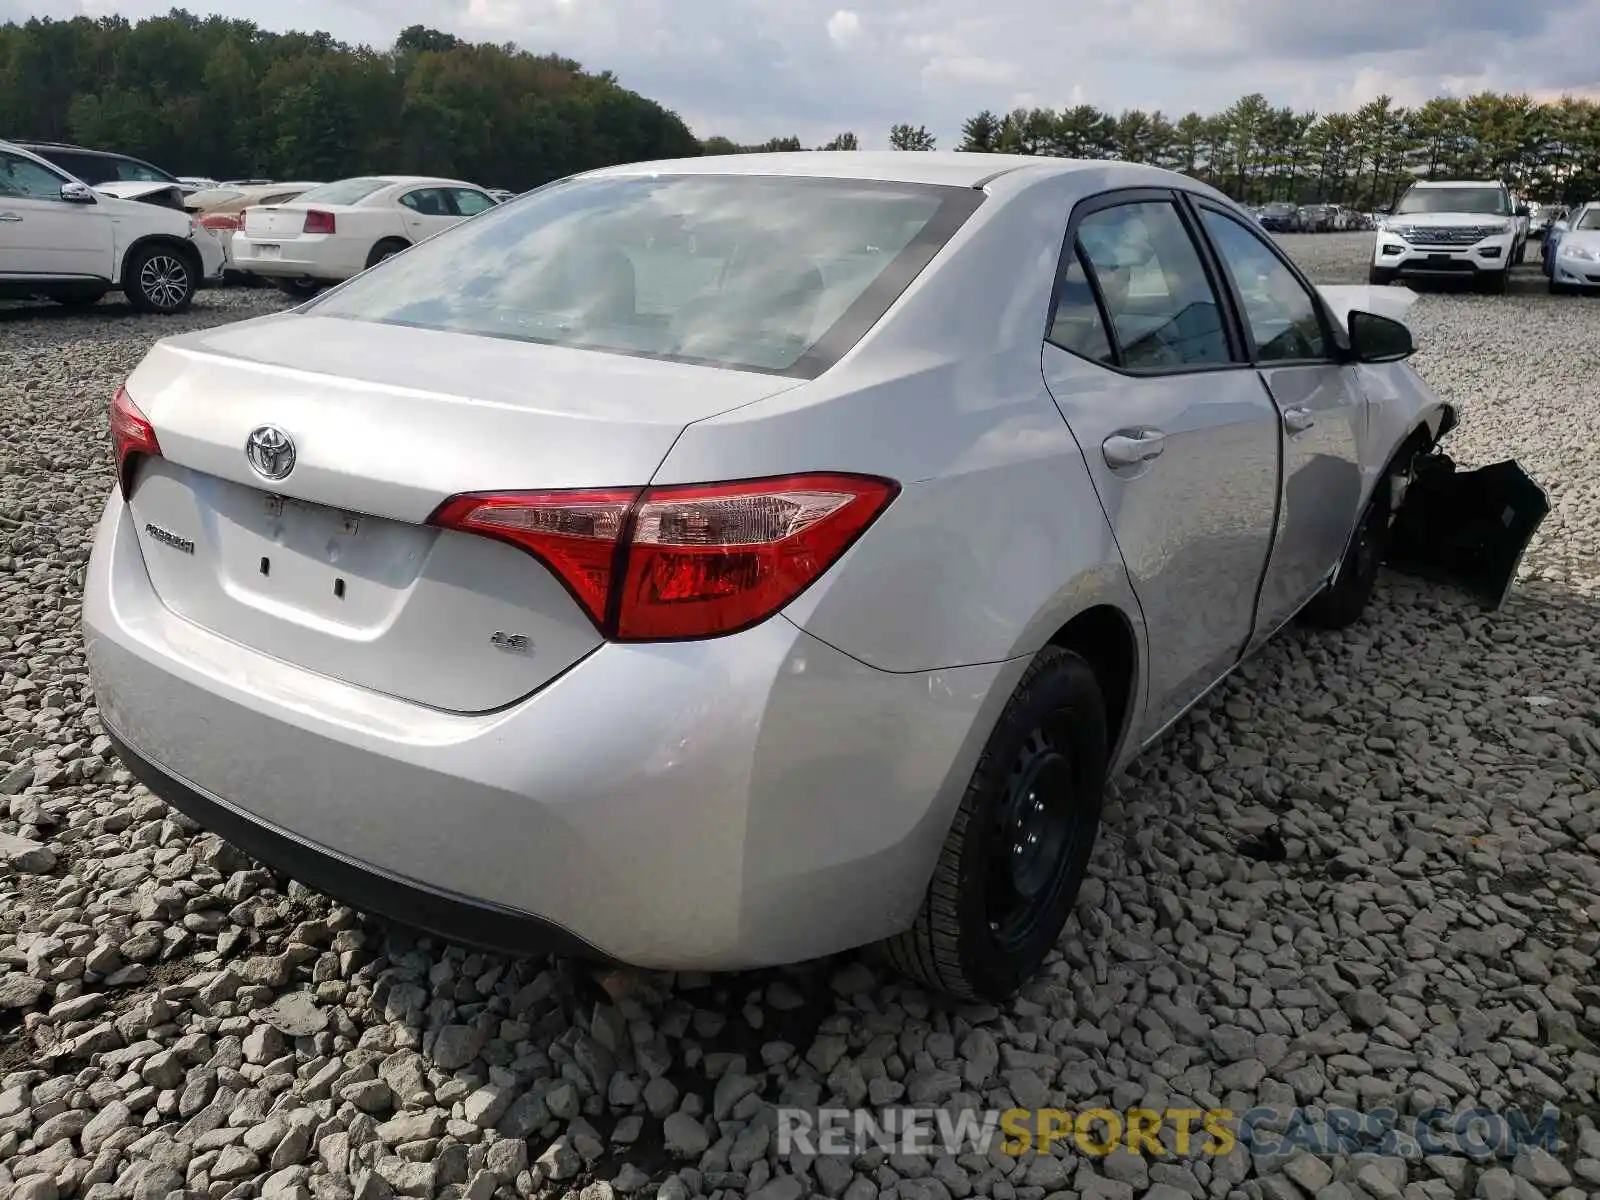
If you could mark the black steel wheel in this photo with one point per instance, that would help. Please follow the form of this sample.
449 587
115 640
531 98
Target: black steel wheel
1019 846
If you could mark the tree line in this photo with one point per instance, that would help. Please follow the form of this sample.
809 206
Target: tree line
225 98
1257 153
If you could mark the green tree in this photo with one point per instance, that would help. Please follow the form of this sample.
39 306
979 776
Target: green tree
906 137
845 141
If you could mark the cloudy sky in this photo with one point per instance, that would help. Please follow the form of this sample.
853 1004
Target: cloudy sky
753 69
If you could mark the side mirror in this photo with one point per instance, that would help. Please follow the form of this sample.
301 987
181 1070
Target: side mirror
1375 339
77 193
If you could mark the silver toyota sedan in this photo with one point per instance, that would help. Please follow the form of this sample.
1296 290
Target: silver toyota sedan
728 562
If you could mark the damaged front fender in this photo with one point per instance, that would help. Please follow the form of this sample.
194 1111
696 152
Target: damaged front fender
1468 529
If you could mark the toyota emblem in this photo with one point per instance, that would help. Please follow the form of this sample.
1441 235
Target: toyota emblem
271 452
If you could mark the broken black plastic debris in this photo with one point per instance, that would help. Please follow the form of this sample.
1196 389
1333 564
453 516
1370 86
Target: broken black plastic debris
1467 528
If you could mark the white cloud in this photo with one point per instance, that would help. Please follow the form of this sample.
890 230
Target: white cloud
844 26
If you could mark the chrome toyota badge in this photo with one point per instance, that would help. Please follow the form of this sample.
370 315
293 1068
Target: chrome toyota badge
271 452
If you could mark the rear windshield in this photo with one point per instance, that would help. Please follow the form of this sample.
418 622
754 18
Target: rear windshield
1489 201
345 191
210 196
772 274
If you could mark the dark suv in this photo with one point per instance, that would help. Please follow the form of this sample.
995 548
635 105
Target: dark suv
95 167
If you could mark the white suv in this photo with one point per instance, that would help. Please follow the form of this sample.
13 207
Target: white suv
1452 228
62 240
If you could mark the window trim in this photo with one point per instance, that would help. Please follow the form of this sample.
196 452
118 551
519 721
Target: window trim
1118 198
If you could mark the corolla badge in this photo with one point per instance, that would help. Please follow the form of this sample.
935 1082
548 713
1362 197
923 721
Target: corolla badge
270 451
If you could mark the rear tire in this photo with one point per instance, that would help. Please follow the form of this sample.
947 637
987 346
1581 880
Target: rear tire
1380 276
387 248
1018 849
160 279
1492 283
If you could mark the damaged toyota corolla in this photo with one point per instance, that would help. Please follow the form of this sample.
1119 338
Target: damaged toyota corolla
728 562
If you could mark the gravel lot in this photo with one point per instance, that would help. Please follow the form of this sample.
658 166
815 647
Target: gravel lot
174 1019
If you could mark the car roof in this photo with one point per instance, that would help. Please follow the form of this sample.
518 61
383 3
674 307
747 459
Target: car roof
953 168
1457 183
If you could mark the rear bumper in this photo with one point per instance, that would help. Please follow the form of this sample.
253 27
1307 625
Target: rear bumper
739 802
362 885
299 258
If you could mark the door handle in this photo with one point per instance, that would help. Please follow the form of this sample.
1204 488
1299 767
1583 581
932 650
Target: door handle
1298 420
9 217
1132 447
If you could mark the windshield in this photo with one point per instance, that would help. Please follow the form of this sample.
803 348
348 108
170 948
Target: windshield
1489 201
346 191
1589 220
752 272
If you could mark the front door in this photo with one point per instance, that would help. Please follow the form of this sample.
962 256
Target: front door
42 235
1180 437
1321 404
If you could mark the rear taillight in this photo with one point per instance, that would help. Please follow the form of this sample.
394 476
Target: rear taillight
222 222
133 437
670 563
318 221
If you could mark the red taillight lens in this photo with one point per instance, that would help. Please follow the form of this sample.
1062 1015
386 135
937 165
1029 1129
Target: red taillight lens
672 563
132 435
318 221
575 534
222 222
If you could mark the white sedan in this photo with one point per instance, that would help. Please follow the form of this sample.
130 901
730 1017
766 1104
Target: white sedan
332 232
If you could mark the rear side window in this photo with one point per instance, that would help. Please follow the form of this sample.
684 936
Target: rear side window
759 273
133 171
430 202
345 191
1164 312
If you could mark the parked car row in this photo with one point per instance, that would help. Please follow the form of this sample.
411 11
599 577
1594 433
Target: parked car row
1283 217
77 223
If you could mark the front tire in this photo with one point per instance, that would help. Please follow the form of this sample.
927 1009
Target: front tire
1343 602
1380 276
1018 848
160 279
1492 283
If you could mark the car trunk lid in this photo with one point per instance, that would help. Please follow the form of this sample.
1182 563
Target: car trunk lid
282 221
334 567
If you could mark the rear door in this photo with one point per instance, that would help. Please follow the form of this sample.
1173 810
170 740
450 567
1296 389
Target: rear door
1320 402
1177 430
427 211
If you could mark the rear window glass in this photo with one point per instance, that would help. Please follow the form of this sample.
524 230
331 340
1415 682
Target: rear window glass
752 272
346 191
210 196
